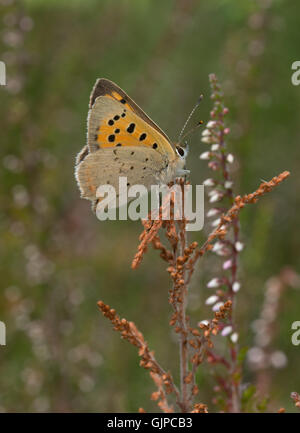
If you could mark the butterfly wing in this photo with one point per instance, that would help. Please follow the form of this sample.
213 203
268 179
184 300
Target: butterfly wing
140 166
104 87
111 124
122 141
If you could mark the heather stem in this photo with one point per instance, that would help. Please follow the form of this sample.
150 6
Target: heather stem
183 343
234 401
235 392
183 360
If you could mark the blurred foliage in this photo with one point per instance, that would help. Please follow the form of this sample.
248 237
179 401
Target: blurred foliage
58 260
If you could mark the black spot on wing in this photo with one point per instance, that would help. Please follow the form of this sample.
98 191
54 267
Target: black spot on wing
131 128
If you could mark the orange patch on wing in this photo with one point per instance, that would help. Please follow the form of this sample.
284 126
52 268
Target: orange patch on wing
119 98
116 97
108 137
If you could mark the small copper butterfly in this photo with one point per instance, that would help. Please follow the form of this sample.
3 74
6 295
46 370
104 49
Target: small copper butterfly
123 141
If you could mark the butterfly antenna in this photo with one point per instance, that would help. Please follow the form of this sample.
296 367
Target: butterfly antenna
192 130
189 117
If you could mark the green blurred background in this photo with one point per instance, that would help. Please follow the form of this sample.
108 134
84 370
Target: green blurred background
58 260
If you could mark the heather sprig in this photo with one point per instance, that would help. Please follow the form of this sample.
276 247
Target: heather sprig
220 193
181 256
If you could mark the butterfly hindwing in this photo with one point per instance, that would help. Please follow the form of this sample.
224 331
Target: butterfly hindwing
139 165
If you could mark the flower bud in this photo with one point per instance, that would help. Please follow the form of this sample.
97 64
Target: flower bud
215 282
234 337
226 331
209 182
217 306
236 286
239 246
205 155
230 158
211 300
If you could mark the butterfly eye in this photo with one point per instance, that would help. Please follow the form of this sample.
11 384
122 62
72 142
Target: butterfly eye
181 151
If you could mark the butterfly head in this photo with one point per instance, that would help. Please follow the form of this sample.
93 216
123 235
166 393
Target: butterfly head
178 165
182 150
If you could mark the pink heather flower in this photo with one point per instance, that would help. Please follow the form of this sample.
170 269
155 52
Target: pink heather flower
212 284
211 124
215 147
213 165
209 182
216 222
212 192
211 300
206 133
217 246
236 286
220 249
203 322
215 197
230 158
234 337
226 331
205 155
223 252
227 264
206 139
226 131
217 306
212 212
225 110
239 246
228 184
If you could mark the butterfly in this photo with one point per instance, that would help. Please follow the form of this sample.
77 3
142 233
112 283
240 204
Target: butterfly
123 141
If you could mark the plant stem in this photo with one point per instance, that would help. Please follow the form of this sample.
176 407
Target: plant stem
183 343
183 357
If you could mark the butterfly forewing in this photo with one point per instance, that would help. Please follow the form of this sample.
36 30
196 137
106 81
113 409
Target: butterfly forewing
104 87
111 124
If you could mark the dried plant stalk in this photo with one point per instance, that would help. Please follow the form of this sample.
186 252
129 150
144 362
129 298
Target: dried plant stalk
195 342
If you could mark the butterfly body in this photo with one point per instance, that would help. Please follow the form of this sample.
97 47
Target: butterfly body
123 141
